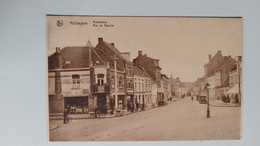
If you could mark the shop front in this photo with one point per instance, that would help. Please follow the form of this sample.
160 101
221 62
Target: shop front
101 100
77 105
121 103
233 94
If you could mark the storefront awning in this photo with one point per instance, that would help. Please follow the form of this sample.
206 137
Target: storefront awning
233 90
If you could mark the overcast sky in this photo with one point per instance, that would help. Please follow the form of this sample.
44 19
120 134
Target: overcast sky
181 44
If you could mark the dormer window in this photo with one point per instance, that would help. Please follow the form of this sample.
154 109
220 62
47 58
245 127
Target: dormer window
75 81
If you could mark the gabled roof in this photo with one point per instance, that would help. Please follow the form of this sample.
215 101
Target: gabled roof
74 57
140 72
110 51
234 68
106 58
78 57
219 63
149 64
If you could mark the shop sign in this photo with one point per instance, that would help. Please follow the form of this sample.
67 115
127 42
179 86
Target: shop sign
72 93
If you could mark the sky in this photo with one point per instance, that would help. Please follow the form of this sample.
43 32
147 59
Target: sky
182 44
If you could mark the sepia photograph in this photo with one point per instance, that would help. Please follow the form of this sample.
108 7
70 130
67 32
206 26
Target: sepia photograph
116 78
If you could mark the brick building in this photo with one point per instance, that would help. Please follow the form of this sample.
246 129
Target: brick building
84 78
217 74
152 66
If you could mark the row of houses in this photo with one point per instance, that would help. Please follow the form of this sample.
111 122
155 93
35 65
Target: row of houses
87 77
223 75
178 87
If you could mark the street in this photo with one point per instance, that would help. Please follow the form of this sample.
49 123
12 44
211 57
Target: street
183 119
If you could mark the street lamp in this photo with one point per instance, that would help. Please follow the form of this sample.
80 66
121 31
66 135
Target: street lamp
208 112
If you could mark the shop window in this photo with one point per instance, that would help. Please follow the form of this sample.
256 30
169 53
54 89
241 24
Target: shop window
100 79
75 81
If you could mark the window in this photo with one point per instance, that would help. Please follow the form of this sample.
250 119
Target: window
113 81
129 84
120 82
100 79
75 81
129 71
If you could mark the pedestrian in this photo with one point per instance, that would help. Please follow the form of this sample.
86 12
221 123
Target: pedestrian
137 106
65 114
132 108
192 98
112 104
128 106
143 107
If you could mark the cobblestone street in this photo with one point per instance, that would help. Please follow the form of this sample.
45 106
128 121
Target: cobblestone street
180 120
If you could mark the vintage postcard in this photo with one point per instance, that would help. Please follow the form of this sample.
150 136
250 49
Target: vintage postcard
144 78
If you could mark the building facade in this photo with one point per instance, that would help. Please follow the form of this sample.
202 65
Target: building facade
152 66
87 78
217 74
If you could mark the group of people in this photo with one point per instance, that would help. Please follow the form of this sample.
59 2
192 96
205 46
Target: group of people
131 107
75 109
227 98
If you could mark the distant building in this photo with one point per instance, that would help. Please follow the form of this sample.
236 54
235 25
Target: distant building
166 88
199 86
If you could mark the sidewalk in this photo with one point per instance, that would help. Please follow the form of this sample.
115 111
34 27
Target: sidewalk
219 102
55 121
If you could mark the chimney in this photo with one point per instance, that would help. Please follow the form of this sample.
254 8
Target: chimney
57 49
157 62
219 52
140 53
58 59
209 56
239 58
100 40
145 55
112 44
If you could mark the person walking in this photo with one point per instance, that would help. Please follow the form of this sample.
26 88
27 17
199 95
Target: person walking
137 106
65 114
192 98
